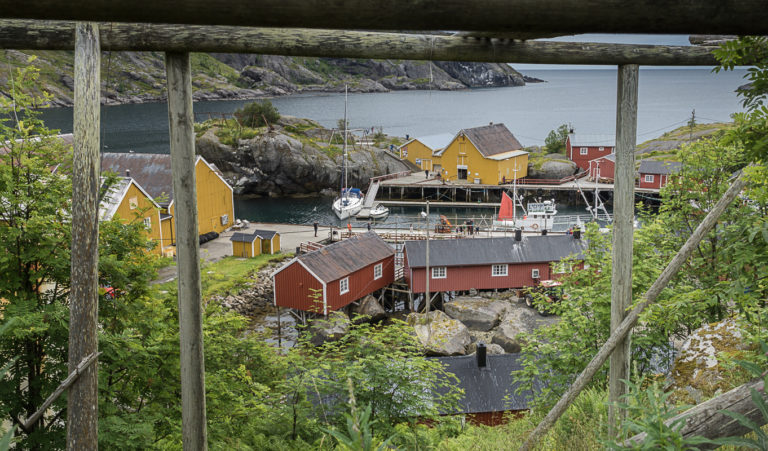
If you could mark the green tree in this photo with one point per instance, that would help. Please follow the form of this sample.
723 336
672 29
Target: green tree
257 114
555 140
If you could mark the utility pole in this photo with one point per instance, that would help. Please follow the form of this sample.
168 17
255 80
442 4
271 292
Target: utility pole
426 294
692 124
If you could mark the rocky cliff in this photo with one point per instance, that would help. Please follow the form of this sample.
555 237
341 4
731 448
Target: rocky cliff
136 77
292 159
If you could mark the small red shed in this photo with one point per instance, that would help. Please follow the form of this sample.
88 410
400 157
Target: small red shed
655 173
602 168
584 148
334 276
486 263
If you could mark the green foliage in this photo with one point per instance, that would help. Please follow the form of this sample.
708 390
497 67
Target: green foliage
257 114
359 428
555 140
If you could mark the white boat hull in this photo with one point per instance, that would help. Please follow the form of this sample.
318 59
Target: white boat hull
347 206
379 212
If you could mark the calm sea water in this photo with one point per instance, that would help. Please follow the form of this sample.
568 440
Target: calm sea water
584 98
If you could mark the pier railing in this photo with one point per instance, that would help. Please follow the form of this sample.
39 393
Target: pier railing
309 246
570 178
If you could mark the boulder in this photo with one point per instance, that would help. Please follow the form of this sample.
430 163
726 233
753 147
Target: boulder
370 309
490 349
551 169
328 330
476 313
448 336
515 322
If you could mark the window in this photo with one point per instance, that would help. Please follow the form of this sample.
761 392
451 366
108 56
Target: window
377 271
499 270
649 178
133 203
344 285
439 272
148 223
584 150
535 273
602 148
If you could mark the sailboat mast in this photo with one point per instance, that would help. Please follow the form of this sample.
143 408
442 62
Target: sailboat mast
514 193
344 162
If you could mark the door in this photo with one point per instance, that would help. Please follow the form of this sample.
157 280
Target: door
461 173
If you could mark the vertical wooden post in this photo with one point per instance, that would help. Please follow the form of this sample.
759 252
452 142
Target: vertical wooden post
623 217
82 402
182 136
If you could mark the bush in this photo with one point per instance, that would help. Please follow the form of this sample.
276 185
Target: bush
257 114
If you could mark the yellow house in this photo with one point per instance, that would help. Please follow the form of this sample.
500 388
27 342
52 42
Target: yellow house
489 155
128 201
420 151
255 243
215 200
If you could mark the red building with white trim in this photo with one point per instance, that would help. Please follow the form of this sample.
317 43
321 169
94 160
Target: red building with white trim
584 148
602 168
486 263
655 173
334 276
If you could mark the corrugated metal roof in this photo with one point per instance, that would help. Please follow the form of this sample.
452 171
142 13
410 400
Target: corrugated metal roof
592 140
151 170
489 389
242 237
434 142
113 197
486 251
505 155
340 259
265 234
659 167
492 139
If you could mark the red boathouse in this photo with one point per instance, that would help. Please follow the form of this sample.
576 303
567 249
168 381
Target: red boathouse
584 148
655 173
487 263
334 276
602 168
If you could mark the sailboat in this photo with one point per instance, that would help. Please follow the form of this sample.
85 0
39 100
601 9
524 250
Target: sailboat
538 216
350 200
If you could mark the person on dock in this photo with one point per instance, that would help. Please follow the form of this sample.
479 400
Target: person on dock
349 228
426 173
369 226
315 225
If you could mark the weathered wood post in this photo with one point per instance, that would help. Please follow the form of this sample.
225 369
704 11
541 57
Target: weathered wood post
623 217
182 136
82 402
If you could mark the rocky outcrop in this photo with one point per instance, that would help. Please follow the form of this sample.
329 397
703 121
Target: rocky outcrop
476 313
370 310
439 334
328 330
517 321
278 163
551 167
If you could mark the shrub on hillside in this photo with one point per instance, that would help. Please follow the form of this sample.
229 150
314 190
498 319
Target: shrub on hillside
255 114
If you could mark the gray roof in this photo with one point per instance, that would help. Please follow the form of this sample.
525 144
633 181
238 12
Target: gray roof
244 237
592 140
151 170
659 167
489 389
492 139
487 251
434 142
342 258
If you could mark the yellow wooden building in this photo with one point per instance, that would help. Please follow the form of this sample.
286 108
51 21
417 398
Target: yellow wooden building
255 243
488 155
215 200
420 151
127 201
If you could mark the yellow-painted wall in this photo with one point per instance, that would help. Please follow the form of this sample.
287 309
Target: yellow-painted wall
135 206
240 249
415 150
276 244
461 151
169 236
271 246
214 199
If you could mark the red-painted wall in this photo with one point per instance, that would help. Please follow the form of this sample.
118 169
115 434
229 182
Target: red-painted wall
606 168
293 288
582 161
361 283
659 180
479 277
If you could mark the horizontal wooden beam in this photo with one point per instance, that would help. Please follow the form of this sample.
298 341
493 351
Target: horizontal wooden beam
562 16
59 35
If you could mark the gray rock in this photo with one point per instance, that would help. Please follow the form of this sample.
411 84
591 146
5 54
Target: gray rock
370 309
552 169
490 349
441 335
476 313
516 321
328 330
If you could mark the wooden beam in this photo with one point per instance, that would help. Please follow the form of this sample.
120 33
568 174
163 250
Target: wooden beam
629 322
623 228
558 16
58 35
82 401
182 138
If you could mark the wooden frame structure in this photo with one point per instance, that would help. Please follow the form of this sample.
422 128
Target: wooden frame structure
503 23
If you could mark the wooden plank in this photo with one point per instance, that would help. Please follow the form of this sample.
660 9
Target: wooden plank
182 139
58 35
558 16
82 399
623 229
629 322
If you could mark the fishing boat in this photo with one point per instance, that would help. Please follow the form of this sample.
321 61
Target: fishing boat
379 211
536 217
350 200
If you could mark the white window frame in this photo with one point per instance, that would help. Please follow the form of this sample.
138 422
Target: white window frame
344 285
601 148
535 273
584 151
378 271
439 272
500 270
648 178
148 223
133 203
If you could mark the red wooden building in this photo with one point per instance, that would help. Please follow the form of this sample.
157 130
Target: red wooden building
487 263
334 276
655 173
582 149
602 168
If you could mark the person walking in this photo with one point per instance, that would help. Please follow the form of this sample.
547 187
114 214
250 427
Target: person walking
315 225
426 173
349 228
369 226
